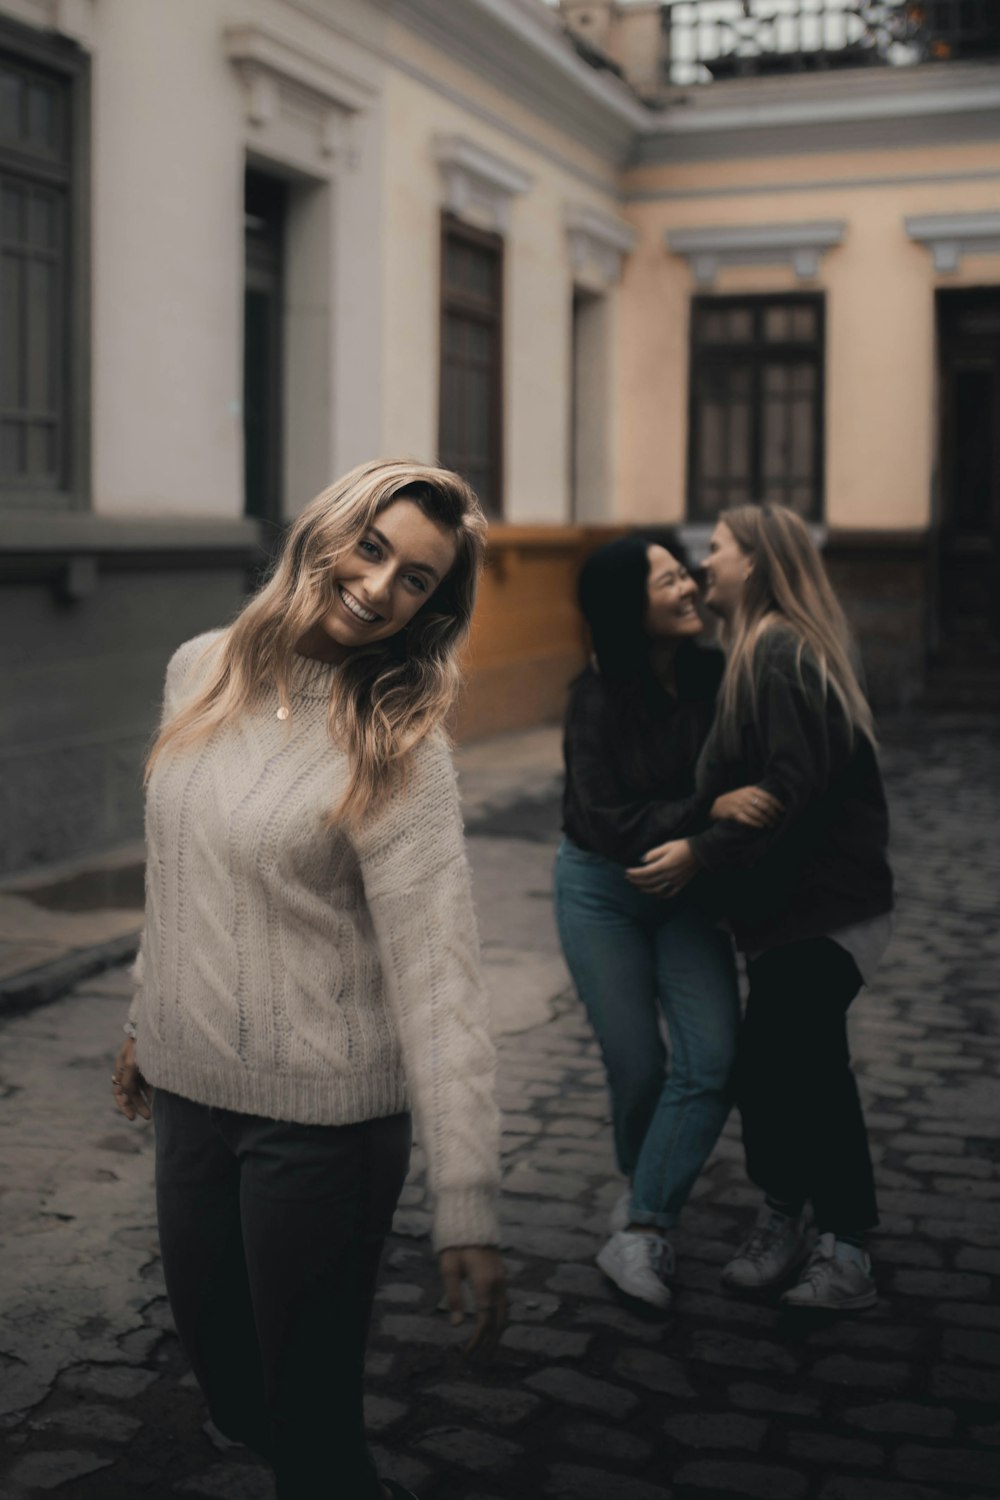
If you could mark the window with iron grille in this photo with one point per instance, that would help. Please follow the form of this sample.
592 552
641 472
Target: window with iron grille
756 418
42 337
470 425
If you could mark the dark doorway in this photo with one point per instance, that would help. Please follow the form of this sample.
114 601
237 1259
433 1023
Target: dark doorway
969 534
264 218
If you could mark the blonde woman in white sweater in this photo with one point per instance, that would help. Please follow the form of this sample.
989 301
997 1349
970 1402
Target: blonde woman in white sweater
309 970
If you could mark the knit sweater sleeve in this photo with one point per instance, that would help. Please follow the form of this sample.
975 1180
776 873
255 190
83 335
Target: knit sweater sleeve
177 680
418 891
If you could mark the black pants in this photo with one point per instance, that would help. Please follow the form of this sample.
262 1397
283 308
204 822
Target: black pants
271 1235
803 1126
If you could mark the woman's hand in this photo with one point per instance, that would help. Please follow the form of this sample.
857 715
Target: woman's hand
666 870
483 1268
132 1092
747 804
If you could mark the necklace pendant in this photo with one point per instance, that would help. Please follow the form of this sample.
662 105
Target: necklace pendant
283 713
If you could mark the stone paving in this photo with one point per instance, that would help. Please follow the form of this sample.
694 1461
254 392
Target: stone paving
583 1399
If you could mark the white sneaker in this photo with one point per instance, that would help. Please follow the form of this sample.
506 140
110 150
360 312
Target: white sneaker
837 1282
621 1212
639 1265
774 1248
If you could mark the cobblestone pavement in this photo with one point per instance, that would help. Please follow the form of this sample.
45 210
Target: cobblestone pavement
583 1399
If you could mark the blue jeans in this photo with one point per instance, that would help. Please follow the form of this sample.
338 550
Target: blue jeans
633 958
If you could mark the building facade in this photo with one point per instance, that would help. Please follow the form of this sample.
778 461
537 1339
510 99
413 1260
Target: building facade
616 263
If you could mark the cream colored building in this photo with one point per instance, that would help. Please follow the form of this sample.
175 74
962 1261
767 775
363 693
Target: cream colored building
247 243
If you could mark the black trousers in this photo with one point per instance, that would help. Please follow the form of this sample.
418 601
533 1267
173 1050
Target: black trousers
271 1234
803 1127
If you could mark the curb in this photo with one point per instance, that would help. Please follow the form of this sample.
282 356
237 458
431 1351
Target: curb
48 982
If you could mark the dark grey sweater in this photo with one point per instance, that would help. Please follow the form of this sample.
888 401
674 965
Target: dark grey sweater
824 866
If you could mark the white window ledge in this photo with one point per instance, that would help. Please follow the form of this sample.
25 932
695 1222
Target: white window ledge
950 236
800 246
598 242
479 186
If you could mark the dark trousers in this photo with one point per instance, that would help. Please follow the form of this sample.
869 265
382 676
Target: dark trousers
271 1234
803 1126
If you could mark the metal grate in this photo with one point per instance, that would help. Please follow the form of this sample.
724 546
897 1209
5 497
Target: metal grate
722 39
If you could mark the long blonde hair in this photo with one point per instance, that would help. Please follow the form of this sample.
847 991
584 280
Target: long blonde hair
387 697
787 585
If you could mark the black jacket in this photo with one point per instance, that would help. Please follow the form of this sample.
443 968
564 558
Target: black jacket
630 758
824 865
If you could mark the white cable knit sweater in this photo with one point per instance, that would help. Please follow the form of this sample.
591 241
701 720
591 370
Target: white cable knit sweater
310 974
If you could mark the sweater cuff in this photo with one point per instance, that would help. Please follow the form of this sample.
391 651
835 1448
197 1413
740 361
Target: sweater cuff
137 974
465 1216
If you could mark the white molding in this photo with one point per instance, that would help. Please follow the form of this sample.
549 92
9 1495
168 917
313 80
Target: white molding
950 236
769 187
799 245
72 18
521 48
284 84
865 108
478 185
882 105
598 242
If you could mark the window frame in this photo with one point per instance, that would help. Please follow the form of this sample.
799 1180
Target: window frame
756 351
66 60
452 300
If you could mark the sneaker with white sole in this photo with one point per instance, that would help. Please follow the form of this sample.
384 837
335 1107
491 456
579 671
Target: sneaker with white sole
837 1283
621 1212
771 1252
639 1265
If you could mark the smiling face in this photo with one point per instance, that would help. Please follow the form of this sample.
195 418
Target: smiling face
382 581
727 568
671 593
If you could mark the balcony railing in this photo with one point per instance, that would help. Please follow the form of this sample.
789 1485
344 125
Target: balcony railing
722 39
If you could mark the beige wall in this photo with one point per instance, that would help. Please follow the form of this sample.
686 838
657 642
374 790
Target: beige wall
538 276
879 285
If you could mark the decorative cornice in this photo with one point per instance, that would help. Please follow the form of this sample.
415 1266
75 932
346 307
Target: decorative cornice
866 109
478 185
770 186
522 49
597 241
950 236
800 246
280 80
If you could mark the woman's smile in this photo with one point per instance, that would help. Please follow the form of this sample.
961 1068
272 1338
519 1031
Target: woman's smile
357 609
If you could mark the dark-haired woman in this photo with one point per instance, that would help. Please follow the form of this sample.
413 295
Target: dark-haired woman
310 969
808 899
637 719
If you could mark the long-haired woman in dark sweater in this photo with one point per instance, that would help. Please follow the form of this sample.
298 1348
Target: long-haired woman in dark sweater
808 898
636 721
